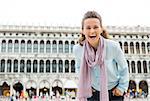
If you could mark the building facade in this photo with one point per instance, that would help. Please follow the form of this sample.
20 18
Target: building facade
39 59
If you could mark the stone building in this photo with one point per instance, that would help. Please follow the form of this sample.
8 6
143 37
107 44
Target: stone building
39 59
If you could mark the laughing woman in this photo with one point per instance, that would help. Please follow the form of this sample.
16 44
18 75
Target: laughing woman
100 62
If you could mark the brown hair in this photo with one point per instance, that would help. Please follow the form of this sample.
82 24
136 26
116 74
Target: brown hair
92 14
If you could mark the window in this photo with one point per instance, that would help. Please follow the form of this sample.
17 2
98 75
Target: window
42 46
35 47
66 47
60 66
60 47
22 46
29 46
35 66
54 66
48 47
10 46
3 48
47 66
15 65
22 66
16 46
54 47
41 66
66 66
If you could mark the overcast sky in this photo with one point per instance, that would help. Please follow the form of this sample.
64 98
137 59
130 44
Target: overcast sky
70 12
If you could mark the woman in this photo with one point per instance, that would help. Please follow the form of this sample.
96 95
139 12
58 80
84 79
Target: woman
100 62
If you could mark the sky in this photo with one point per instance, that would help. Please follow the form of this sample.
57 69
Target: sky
70 12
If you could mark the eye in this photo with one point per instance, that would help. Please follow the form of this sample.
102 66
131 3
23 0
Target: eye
95 27
88 27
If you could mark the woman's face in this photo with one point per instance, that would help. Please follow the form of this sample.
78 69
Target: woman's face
92 31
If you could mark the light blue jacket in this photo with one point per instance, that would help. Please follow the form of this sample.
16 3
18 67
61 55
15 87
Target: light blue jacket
115 62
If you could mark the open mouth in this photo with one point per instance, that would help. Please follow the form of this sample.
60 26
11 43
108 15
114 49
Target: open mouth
92 37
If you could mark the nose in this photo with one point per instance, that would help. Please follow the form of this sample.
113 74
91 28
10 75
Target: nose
92 30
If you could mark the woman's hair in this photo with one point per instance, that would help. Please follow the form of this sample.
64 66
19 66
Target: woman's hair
92 14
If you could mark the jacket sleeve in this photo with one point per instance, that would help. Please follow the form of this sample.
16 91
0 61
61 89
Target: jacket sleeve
122 69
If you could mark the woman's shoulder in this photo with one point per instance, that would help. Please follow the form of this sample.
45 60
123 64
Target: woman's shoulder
77 48
112 44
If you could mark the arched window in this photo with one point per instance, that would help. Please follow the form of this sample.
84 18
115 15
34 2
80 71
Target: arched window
22 66
22 46
145 66
137 48
16 46
133 67
132 48
15 65
48 66
28 66
143 48
72 66
126 47
10 46
60 47
54 66
29 46
60 66
72 44
35 66
41 66
35 46
54 47
3 46
139 67
66 66
2 68
48 47
9 65
66 47
41 46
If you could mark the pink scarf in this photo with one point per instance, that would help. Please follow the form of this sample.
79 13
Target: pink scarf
90 59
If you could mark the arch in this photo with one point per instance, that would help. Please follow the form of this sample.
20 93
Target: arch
35 46
29 46
42 46
3 47
31 87
41 68
60 46
143 47
126 47
48 66
133 67
54 46
60 66
145 67
132 48
143 86
72 66
66 66
66 47
18 87
4 88
35 66
54 66
137 48
57 86
48 46
132 87
72 44
139 67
